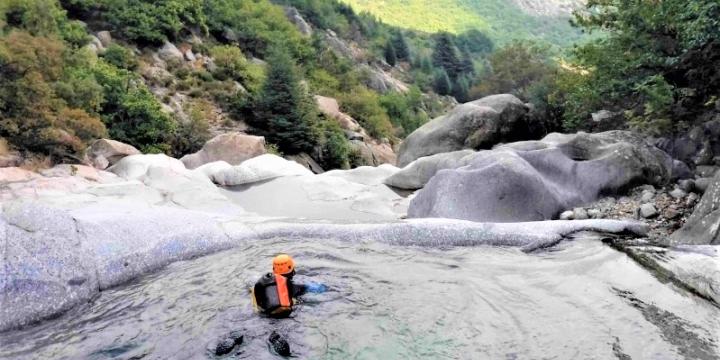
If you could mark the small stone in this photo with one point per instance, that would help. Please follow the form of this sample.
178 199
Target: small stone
678 193
189 56
647 196
687 185
648 211
104 37
595 213
692 199
624 200
567 215
580 214
649 188
671 214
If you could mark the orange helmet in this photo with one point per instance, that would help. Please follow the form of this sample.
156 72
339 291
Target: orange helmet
283 264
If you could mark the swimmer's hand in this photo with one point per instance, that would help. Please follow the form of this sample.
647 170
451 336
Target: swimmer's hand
315 288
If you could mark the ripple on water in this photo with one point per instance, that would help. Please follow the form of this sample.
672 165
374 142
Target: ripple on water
392 303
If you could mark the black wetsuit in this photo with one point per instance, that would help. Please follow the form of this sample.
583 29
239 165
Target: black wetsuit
267 296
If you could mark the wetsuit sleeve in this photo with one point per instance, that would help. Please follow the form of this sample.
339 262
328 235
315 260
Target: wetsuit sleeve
299 289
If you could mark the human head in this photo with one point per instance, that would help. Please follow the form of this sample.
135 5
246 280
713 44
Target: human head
283 264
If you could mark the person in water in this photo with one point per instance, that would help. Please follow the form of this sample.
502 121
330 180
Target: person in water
275 293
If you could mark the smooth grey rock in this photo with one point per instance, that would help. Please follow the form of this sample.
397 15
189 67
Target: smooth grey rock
567 215
419 172
648 211
702 184
233 148
104 37
678 193
703 226
681 170
106 152
687 185
294 16
366 175
595 213
169 52
260 168
580 214
647 196
559 172
706 171
479 124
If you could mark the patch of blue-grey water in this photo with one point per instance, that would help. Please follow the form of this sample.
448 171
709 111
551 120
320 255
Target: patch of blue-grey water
582 299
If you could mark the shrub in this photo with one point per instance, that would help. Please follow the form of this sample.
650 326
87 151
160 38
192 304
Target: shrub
190 136
153 21
120 57
364 105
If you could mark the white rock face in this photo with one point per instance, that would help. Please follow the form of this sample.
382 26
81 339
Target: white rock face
261 168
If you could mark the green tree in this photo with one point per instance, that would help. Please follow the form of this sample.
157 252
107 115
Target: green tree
445 55
153 21
460 89
390 55
120 57
475 42
364 106
653 51
441 82
402 51
284 114
515 68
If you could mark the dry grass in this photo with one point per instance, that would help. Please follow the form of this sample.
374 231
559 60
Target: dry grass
36 163
4 147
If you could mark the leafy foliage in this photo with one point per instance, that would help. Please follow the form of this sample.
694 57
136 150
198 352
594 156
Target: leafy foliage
32 115
364 106
646 64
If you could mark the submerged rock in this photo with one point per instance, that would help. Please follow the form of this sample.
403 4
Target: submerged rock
479 124
535 180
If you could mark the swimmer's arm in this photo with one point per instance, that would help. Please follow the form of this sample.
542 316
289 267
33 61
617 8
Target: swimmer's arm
311 287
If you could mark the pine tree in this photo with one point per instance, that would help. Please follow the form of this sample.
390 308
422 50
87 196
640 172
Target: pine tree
442 83
460 89
283 113
390 55
401 47
445 56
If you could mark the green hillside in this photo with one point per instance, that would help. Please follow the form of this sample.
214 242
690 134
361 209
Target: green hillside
501 19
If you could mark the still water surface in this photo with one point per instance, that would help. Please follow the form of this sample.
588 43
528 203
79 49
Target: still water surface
581 300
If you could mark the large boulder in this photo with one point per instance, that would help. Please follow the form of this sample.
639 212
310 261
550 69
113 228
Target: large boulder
479 124
698 146
536 180
703 226
374 152
233 148
261 168
105 152
415 175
